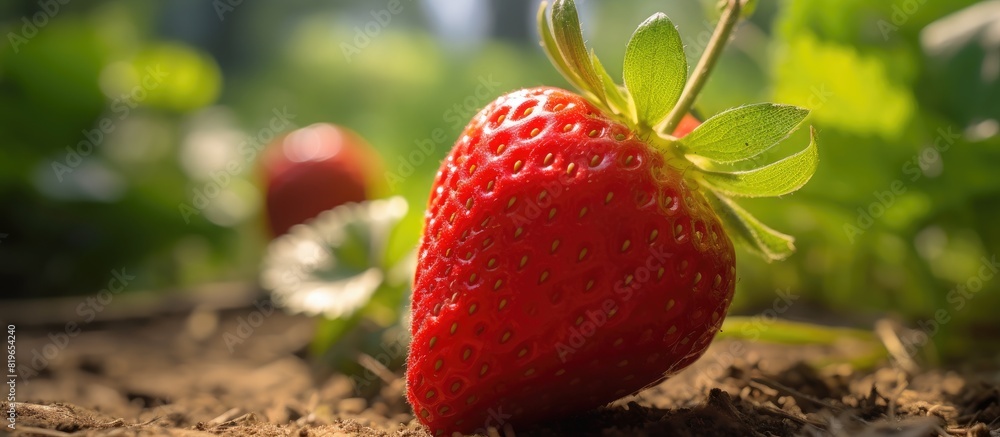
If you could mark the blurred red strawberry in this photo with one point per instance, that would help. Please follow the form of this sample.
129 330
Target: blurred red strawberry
313 169
687 124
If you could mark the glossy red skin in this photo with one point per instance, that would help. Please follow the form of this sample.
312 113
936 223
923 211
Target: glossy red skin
311 170
658 325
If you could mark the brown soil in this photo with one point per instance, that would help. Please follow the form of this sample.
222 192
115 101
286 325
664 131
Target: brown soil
175 376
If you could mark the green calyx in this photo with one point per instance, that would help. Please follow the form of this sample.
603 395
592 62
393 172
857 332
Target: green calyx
657 93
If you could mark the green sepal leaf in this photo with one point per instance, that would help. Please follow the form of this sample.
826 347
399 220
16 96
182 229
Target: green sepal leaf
655 69
568 39
779 178
745 229
617 100
744 132
551 49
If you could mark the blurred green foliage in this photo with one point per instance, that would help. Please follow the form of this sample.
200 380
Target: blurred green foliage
880 97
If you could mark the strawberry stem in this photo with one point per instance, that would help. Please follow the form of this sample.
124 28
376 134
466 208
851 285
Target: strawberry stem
730 16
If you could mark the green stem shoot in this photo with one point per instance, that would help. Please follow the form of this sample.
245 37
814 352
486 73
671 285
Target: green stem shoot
730 16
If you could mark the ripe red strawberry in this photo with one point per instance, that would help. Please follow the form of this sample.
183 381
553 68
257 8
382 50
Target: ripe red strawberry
573 253
687 124
313 169
558 247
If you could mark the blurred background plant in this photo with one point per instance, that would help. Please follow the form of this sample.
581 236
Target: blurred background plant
131 131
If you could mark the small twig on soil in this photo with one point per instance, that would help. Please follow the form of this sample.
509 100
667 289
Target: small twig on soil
786 415
721 400
224 417
724 402
373 365
114 423
903 383
249 417
886 333
794 393
934 409
149 422
972 430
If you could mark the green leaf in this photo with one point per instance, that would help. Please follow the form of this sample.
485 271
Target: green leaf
772 180
551 48
744 132
745 229
789 332
333 264
866 350
615 98
568 37
655 69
